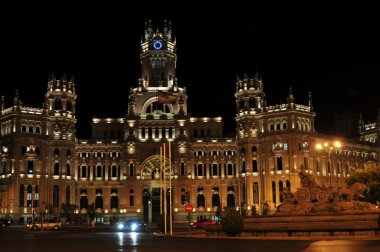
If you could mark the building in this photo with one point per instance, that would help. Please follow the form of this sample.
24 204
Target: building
115 173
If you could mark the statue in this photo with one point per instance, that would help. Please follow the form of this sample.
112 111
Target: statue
311 198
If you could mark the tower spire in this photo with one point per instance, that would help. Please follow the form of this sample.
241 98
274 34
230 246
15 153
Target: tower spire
291 98
310 102
2 103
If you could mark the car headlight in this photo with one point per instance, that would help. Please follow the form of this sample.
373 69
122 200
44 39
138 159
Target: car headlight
133 226
120 226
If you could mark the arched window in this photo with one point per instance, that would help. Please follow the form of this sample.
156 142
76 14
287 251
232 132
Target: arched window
284 125
21 196
114 202
230 199
56 196
243 167
280 187
273 192
56 169
288 185
68 192
255 193
215 200
83 202
200 200
99 202
271 127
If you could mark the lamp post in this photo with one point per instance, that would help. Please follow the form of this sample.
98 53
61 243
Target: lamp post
328 147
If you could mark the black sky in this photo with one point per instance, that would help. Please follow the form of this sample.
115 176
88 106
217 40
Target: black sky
334 54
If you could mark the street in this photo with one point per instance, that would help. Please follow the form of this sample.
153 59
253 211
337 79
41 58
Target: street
108 239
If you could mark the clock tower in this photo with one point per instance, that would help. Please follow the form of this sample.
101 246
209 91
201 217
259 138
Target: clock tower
158 57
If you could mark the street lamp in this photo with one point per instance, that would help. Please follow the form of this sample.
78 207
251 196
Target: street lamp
329 148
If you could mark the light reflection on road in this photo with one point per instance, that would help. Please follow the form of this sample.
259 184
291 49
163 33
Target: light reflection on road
335 246
133 240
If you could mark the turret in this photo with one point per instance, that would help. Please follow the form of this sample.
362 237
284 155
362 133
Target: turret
310 102
249 93
291 99
158 56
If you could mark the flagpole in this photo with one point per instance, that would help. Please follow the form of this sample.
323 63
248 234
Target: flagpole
160 180
170 188
165 200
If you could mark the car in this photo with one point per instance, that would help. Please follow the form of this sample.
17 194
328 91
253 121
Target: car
202 223
5 222
133 225
50 225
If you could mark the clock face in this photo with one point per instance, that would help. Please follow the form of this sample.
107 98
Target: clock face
157 45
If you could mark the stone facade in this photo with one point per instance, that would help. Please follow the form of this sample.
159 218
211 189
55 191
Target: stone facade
43 163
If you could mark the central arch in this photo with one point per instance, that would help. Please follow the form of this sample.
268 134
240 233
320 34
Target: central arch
150 168
151 197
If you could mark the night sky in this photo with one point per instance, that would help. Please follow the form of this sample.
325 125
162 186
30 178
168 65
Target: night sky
335 55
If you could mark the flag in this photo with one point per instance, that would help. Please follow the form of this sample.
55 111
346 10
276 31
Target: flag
166 98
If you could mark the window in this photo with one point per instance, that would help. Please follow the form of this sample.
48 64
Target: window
23 129
273 192
56 152
215 200
36 196
215 169
98 171
30 166
200 170
114 202
279 163
29 196
68 192
254 165
114 171
131 170
68 172
243 167
131 200
255 193
84 172
55 196
56 169
182 169
280 187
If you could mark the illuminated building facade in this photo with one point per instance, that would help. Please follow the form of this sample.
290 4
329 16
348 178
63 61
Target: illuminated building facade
117 170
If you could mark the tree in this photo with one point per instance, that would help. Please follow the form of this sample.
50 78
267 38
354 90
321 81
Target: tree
67 211
218 212
265 209
232 222
370 176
